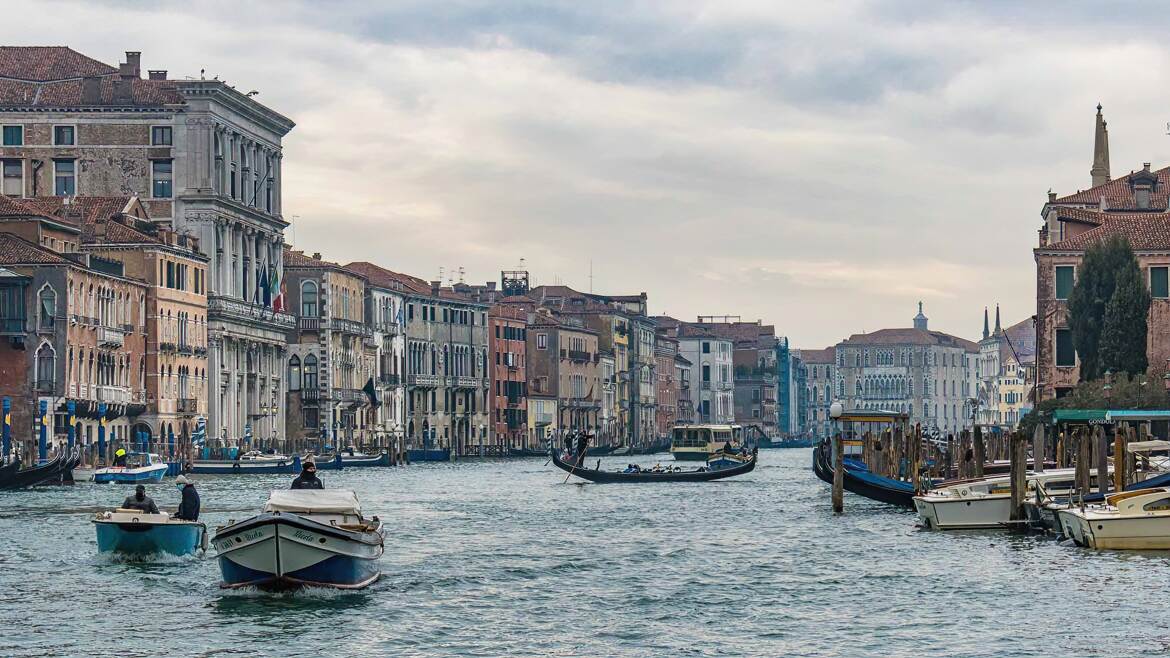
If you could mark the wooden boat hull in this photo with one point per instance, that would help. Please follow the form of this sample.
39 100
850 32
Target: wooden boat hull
147 538
55 471
610 477
864 483
278 551
225 467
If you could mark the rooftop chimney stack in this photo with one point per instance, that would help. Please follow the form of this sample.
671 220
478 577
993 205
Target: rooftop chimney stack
158 74
134 63
435 285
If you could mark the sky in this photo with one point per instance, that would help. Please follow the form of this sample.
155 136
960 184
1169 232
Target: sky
821 167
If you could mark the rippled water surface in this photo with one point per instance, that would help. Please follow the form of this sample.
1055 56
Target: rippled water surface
500 558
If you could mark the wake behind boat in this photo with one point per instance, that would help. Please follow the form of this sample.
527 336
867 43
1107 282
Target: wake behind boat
304 537
673 474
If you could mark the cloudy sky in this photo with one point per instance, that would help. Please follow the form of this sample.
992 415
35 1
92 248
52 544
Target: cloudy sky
820 166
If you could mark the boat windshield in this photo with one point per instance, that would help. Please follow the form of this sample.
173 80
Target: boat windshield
691 437
722 436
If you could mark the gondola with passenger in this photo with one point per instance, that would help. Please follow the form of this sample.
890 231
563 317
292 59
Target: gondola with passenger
660 474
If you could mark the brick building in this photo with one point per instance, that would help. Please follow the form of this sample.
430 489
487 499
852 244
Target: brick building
563 366
507 340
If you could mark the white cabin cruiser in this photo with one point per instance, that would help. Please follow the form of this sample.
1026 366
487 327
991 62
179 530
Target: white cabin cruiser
983 503
304 537
1130 520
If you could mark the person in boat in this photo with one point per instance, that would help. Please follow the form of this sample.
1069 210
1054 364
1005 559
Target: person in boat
120 457
140 501
582 443
308 478
189 506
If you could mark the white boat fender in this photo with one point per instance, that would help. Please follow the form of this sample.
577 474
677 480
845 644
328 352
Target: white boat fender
203 541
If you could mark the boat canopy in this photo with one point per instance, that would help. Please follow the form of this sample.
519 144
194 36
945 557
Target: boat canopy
313 501
1147 446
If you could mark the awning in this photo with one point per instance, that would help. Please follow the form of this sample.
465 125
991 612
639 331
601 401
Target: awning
1138 415
1079 416
1147 446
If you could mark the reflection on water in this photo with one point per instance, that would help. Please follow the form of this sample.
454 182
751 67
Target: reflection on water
500 558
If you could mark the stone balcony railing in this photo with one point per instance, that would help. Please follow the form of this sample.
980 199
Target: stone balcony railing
429 381
110 337
237 309
115 394
187 406
388 379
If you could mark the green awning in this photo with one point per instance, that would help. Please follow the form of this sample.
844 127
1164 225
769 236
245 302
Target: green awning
1078 415
1138 415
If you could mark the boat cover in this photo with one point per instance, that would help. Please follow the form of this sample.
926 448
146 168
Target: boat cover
313 501
1147 446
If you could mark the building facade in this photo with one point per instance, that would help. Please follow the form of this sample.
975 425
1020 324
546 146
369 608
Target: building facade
563 365
712 395
667 376
1006 364
821 366
928 375
507 340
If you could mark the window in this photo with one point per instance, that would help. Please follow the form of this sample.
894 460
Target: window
161 136
1066 355
1159 285
13 177
294 373
64 177
706 347
542 341
309 417
48 308
13 136
1064 281
310 372
160 178
63 136
46 367
706 373
308 302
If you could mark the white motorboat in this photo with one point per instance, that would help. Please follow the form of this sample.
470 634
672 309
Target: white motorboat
257 456
304 537
1130 520
983 503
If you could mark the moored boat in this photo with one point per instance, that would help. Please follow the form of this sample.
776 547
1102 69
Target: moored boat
140 467
133 532
858 479
673 474
984 502
1130 520
233 467
360 460
304 537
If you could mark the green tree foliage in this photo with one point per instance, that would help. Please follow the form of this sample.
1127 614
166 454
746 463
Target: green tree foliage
1109 338
1126 392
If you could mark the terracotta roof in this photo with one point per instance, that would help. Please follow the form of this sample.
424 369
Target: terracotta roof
1119 196
1145 231
15 250
44 63
384 278
910 336
51 76
1023 338
827 355
1081 215
739 332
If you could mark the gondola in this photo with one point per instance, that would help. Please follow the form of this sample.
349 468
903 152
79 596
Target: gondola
47 472
607 477
864 483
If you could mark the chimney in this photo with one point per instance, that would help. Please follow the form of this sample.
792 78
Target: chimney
158 75
91 90
124 90
1145 166
316 255
491 285
435 287
1051 196
133 64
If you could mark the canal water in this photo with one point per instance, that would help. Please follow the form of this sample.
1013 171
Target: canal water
499 558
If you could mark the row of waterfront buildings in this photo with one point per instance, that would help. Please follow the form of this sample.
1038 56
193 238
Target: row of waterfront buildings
145 278
146 286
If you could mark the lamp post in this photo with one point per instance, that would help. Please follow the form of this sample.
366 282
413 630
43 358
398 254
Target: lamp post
835 412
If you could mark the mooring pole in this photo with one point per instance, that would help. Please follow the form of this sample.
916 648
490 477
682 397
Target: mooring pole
838 474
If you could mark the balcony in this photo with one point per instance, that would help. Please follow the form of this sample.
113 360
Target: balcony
45 385
465 382
348 395
110 337
115 394
200 351
166 347
387 379
310 324
424 381
126 328
309 394
580 355
187 406
349 327
12 326
226 308
705 386
186 349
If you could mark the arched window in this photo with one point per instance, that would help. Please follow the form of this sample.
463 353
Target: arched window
294 373
310 374
309 299
48 307
46 367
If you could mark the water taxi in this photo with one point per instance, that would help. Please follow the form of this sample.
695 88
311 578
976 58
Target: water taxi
1130 520
700 442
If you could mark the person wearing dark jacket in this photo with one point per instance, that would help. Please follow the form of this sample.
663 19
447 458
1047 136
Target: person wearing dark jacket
140 501
308 478
189 507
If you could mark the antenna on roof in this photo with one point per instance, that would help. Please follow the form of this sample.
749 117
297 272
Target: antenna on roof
590 276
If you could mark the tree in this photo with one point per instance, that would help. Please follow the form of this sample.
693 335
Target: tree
1097 279
1123 334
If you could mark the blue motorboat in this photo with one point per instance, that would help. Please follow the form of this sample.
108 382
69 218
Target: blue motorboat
304 537
140 467
132 532
246 467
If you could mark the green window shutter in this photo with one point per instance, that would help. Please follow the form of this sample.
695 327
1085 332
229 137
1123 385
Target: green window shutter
1159 284
1064 281
1066 355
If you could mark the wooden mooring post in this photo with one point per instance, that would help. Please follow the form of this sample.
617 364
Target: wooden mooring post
1039 451
1102 460
1120 462
838 474
1019 476
980 452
